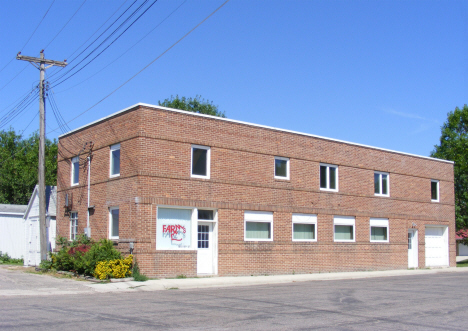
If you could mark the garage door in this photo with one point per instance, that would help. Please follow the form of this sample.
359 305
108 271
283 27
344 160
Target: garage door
436 247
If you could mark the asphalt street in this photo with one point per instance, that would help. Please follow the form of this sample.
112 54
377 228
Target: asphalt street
419 302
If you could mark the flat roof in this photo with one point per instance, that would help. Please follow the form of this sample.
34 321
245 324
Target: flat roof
249 124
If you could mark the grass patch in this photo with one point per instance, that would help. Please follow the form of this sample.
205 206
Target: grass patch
462 264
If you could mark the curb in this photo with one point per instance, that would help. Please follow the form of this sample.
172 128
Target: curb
211 282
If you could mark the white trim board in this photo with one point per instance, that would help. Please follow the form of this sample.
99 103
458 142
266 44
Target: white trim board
249 124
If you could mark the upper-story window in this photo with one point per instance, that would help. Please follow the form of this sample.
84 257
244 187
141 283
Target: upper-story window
281 167
73 225
381 184
200 161
75 170
328 177
115 160
434 190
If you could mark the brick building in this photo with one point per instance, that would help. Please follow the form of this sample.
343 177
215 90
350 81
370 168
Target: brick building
197 194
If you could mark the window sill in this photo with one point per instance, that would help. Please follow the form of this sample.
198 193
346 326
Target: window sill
382 195
304 240
281 178
328 190
258 240
199 177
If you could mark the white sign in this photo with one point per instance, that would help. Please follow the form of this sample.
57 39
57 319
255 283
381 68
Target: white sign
174 229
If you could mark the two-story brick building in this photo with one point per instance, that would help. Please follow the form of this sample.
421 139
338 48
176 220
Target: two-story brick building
201 195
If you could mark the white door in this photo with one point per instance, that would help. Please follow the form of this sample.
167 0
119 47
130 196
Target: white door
33 249
205 248
436 247
412 248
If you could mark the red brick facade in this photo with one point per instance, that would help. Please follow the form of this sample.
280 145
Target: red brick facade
155 170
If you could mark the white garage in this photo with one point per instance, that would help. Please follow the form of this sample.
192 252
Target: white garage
436 242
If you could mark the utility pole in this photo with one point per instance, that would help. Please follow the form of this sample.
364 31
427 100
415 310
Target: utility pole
40 64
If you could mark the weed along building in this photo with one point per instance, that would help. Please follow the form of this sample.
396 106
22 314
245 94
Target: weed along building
193 194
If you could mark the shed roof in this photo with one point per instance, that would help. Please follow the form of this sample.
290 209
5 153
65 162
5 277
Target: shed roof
13 209
51 200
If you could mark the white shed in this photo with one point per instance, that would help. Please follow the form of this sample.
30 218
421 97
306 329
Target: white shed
12 230
31 237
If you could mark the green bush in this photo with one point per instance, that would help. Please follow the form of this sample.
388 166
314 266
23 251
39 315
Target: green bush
82 255
136 273
5 258
45 265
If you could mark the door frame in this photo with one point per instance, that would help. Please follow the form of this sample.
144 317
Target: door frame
414 248
214 246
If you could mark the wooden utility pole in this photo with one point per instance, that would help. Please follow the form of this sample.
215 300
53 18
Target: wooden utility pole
40 64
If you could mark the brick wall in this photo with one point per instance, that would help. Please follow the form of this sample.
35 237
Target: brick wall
155 170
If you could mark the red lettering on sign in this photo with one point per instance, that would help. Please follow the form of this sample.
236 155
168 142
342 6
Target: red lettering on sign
174 230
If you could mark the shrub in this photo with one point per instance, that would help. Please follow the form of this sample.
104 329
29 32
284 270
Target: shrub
119 268
45 265
82 255
136 273
5 258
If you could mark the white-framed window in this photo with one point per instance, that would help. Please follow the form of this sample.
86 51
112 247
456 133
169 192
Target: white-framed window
114 223
344 228
281 167
258 226
381 184
434 190
379 230
304 227
200 162
75 170
176 226
328 177
73 225
115 160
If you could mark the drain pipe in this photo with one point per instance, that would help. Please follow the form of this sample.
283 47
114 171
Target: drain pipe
88 230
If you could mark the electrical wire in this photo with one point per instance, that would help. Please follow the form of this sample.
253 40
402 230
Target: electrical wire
94 41
55 83
144 68
20 107
50 42
128 49
70 56
13 77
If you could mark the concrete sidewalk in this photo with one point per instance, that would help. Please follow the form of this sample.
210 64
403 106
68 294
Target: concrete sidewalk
190 283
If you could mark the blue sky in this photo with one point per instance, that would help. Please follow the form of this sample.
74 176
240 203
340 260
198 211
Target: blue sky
380 73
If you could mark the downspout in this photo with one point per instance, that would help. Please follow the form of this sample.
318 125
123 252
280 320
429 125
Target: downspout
88 230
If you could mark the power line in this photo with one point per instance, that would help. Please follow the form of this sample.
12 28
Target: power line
19 108
128 49
144 68
69 57
60 82
95 40
32 34
13 78
65 24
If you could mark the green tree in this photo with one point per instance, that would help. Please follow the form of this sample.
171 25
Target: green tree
197 105
19 166
454 147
